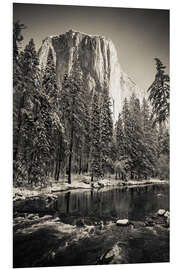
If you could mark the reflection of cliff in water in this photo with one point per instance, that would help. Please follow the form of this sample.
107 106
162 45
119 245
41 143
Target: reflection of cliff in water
133 203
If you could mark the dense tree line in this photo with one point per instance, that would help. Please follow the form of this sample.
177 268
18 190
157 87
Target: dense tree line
38 131
60 130
140 151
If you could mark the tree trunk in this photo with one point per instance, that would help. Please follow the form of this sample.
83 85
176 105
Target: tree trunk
92 177
57 172
87 167
59 169
80 164
58 161
30 168
70 157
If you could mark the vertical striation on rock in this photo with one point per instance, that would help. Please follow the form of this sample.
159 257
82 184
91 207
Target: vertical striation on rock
98 61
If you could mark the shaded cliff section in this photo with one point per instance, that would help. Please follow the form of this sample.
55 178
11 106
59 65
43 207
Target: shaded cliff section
98 62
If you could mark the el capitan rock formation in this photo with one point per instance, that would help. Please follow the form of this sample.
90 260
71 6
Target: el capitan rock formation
98 61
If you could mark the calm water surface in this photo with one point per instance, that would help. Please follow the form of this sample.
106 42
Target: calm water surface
46 246
133 203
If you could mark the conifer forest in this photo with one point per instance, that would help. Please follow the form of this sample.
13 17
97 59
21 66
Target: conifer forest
90 148
59 132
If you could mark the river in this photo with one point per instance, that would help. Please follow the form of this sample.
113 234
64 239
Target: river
83 229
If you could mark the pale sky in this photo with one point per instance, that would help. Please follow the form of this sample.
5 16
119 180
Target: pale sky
139 35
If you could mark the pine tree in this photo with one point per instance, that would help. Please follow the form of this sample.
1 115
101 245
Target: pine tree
52 115
133 134
49 81
17 82
17 38
122 161
106 130
149 141
73 108
159 93
96 155
30 86
86 144
41 151
120 139
127 122
137 148
163 152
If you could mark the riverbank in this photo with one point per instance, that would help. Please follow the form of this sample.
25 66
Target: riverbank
21 193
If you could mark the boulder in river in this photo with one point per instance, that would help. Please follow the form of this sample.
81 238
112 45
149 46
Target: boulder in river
113 252
122 222
115 255
161 212
167 214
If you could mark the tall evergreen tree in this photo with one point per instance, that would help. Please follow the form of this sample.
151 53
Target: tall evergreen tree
49 82
163 152
86 143
52 116
122 162
126 117
17 38
149 141
30 86
96 155
106 129
73 108
133 133
159 93
136 151
17 82
120 139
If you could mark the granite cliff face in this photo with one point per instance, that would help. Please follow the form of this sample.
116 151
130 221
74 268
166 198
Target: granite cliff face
98 61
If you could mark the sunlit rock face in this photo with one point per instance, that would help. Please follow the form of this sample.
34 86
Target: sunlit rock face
98 61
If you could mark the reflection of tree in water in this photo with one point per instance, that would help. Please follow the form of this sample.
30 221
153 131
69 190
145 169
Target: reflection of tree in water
137 205
67 197
133 203
145 200
92 193
95 202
